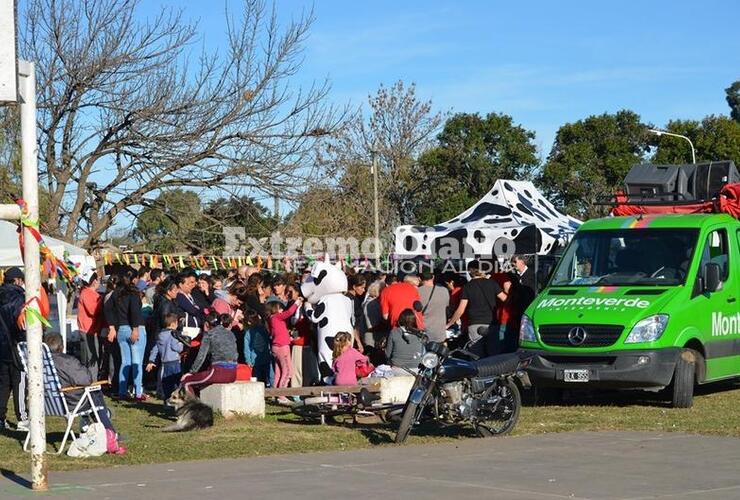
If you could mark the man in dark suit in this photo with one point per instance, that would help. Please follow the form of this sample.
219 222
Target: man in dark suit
527 281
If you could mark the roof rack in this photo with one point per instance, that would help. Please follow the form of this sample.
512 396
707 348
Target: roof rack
654 199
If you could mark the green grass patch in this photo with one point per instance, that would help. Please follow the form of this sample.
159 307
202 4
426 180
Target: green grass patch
715 412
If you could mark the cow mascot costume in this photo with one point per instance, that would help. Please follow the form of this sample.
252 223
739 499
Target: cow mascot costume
328 307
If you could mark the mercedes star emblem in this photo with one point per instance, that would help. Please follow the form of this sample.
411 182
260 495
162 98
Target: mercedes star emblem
576 336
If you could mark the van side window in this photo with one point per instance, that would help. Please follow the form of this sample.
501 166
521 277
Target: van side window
716 251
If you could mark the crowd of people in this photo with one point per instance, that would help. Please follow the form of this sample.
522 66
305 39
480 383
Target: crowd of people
153 330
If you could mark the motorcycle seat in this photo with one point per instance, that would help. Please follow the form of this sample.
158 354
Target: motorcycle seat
497 365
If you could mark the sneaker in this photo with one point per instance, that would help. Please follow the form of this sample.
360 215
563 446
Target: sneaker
143 397
23 426
5 425
283 401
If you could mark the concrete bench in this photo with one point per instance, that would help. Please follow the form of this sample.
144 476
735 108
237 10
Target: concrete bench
238 398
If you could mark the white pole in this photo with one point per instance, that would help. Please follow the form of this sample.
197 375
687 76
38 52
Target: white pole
32 265
375 210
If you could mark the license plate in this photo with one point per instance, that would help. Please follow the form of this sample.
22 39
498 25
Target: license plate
575 375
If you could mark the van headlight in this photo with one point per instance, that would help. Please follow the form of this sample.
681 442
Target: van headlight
526 330
430 360
648 330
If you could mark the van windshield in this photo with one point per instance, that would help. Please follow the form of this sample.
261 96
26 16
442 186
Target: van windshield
659 257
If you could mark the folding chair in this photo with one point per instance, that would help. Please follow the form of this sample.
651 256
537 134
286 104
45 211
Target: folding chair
55 402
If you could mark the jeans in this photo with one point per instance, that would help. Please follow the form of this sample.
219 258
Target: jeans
132 358
104 414
170 374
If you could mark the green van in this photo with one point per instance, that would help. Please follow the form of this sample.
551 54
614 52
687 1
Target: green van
643 302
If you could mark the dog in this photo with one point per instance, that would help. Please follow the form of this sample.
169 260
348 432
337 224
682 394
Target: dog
191 413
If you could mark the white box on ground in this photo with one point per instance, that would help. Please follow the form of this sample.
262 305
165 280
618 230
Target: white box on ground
238 398
8 57
395 389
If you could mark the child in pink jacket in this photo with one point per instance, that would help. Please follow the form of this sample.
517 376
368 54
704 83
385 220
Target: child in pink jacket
345 360
278 325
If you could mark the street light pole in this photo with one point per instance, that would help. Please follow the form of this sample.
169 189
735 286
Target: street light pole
375 210
663 132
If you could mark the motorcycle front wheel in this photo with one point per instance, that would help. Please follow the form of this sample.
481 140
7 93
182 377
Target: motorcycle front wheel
407 421
503 416
411 414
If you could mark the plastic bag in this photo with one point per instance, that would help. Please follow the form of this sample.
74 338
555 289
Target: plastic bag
91 443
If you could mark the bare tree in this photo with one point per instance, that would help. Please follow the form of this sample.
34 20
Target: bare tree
129 108
399 128
10 168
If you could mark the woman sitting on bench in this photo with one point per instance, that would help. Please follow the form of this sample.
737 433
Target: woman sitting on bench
219 341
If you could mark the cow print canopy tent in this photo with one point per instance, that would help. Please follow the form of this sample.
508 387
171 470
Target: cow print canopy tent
513 211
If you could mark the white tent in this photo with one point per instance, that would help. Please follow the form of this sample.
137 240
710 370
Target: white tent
10 253
513 211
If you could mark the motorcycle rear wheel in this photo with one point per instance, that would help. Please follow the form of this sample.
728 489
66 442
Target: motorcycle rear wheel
503 419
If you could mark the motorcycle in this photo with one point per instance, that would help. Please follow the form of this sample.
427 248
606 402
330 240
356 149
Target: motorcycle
452 390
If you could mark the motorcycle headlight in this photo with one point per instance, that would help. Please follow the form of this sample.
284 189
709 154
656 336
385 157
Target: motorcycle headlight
526 330
648 330
430 360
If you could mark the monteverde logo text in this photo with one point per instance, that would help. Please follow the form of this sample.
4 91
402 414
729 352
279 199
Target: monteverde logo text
725 325
594 301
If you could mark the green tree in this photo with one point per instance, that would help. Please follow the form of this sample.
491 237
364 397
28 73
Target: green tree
473 152
714 138
733 100
167 223
590 159
238 211
351 208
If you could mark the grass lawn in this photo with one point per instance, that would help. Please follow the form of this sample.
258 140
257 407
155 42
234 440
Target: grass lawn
715 412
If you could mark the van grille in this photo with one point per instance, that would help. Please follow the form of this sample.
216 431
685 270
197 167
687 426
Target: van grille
596 335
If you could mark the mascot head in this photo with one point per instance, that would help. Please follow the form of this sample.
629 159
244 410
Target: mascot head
325 279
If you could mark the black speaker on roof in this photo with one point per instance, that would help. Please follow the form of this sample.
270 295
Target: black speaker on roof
710 178
682 183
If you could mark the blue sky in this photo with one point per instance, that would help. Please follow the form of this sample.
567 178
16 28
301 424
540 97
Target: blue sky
544 63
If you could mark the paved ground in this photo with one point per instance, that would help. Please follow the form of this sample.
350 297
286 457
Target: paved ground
574 466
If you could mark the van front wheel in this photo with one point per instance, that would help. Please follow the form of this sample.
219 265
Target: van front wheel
684 378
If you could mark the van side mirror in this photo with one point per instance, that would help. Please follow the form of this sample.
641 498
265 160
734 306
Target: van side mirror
712 277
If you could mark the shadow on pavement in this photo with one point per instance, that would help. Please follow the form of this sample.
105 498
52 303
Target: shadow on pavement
12 476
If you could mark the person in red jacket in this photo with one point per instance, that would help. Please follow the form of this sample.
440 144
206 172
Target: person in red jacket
400 296
90 322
